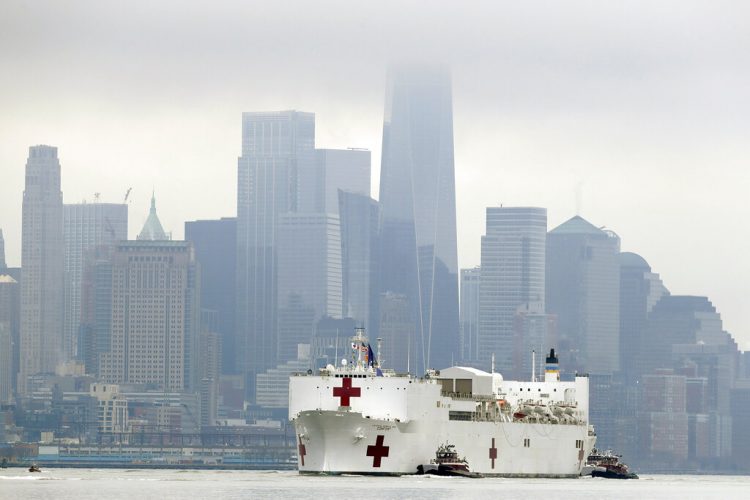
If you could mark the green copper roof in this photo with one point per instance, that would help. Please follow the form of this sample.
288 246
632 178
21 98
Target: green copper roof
152 229
577 225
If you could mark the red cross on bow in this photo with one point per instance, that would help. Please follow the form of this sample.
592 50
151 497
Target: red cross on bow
377 451
346 391
493 453
302 450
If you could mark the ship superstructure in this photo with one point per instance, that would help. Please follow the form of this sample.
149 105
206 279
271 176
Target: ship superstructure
358 418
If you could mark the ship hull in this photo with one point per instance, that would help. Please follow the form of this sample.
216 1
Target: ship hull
346 442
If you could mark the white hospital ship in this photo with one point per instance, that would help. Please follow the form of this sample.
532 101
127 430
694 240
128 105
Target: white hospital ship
358 419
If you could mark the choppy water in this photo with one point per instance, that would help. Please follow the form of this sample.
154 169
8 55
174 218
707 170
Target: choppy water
64 484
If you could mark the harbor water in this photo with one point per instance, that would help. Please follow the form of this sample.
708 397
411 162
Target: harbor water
79 484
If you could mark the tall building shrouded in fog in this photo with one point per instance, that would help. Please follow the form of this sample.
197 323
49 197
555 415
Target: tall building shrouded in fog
341 169
359 215
309 276
513 260
275 175
85 226
640 290
418 209
42 263
583 290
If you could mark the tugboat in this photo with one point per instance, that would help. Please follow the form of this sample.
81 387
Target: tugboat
34 468
608 465
447 463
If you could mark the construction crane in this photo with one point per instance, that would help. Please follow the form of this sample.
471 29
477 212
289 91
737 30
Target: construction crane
127 193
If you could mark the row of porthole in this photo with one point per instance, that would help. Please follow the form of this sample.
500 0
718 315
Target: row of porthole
529 389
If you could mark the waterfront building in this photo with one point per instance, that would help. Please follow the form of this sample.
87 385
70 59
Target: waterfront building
155 313
209 361
469 315
275 176
215 245
41 333
513 260
272 386
418 210
663 420
85 226
583 290
112 408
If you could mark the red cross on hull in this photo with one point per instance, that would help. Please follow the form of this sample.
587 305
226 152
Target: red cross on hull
493 453
378 451
346 391
302 450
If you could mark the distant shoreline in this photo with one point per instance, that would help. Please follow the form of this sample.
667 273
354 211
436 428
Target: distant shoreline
123 465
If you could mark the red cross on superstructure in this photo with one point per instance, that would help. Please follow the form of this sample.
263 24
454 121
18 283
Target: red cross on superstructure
346 391
493 453
377 451
302 450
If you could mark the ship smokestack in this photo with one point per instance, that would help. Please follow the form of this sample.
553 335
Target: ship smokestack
551 368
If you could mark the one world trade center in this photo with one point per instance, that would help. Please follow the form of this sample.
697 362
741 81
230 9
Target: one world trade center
418 217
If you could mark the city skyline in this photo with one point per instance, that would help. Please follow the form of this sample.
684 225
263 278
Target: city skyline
632 105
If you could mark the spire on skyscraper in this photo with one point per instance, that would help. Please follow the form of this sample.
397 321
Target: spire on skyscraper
152 229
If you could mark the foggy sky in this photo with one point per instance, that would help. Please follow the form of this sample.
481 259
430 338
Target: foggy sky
640 107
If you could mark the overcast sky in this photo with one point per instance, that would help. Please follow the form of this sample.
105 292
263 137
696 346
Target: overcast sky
636 112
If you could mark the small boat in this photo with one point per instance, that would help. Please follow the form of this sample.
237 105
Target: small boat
34 468
607 465
447 463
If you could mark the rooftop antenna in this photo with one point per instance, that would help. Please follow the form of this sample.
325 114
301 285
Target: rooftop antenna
492 364
127 193
533 365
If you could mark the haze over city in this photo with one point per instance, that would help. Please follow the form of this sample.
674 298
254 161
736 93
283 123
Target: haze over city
636 115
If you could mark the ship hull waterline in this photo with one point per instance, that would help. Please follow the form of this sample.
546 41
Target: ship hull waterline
345 442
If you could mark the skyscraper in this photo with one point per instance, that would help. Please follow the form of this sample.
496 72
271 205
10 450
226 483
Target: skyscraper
155 313
8 325
309 275
359 215
469 314
342 169
85 226
42 263
583 290
417 196
640 290
513 261
275 175
215 243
